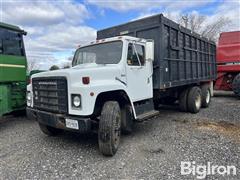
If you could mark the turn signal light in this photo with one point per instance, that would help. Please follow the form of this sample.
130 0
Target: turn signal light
85 80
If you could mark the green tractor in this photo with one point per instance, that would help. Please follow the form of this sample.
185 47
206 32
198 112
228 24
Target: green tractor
13 69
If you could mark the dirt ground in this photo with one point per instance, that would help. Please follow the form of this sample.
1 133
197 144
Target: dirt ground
154 150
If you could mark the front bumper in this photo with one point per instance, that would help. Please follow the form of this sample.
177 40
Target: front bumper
58 120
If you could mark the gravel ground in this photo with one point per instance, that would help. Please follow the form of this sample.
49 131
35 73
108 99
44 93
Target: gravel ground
154 150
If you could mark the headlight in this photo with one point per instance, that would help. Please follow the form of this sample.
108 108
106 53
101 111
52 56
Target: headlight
76 100
29 98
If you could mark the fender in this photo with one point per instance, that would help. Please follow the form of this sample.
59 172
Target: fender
89 94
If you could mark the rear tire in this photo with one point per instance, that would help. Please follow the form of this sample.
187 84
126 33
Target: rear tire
183 100
50 131
206 96
109 128
127 119
194 101
236 85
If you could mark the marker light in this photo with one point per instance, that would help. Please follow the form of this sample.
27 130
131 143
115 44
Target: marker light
85 80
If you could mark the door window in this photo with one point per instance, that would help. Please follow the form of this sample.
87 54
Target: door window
136 55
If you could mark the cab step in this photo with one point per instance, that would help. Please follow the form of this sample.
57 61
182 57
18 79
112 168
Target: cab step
147 115
144 109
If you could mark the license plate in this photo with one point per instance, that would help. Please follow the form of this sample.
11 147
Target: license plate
73 124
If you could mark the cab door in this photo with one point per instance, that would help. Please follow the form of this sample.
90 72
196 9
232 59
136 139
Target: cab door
139 72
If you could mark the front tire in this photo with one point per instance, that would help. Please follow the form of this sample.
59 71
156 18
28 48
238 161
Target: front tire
50 131
194 99
109 128
127 119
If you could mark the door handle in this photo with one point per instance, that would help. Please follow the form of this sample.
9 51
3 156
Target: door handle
136 68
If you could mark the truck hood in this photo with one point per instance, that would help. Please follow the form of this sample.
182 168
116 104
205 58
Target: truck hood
94 71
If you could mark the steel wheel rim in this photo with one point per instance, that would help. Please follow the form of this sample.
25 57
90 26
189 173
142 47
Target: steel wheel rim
208 97
198 101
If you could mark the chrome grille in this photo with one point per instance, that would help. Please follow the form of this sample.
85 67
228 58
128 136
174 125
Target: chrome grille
50 94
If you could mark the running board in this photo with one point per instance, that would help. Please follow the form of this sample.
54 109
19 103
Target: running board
147 115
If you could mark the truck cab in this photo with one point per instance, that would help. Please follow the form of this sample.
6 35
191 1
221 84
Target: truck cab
108 87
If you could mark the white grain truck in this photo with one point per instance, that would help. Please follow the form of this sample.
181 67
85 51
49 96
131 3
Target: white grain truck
122 77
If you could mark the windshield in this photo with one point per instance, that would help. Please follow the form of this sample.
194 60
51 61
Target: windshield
11 43
105 53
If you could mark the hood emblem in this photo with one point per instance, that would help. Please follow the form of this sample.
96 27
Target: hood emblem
47 83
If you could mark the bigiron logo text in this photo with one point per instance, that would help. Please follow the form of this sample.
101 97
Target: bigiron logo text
201 171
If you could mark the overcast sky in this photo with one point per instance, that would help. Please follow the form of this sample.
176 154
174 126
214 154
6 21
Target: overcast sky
56 27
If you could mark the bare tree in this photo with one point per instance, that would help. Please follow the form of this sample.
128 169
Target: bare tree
213 30
193 21
198 23
32 65
184 21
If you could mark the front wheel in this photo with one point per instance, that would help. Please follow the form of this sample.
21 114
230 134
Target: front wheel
127 119
109 128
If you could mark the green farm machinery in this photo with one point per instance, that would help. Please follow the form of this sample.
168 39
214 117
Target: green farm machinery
13 68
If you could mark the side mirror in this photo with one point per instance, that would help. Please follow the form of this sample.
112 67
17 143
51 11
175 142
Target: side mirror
149 50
